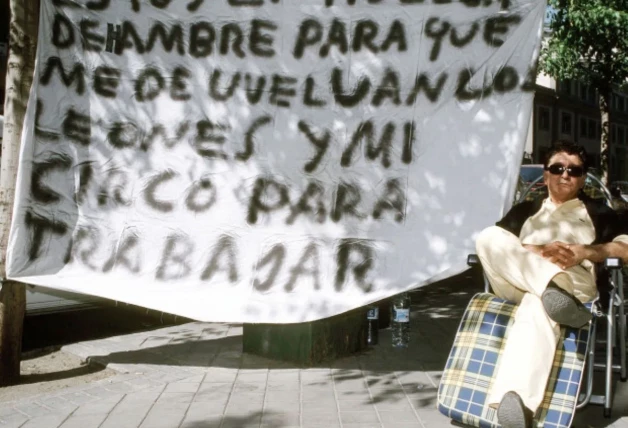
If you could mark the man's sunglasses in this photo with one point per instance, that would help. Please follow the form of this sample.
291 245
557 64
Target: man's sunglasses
559 169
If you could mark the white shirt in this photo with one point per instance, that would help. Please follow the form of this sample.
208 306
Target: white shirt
568 222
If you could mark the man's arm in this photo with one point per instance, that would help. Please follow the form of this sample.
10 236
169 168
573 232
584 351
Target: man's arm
556 252
567 255
598 253
515 218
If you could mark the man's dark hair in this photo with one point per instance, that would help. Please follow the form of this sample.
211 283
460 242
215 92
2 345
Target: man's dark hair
570 149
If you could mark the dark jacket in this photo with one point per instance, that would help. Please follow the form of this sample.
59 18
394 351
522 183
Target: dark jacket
605 221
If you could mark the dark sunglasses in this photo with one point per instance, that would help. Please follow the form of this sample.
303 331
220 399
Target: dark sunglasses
559 168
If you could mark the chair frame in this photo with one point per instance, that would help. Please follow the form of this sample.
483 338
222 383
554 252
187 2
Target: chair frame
615 337
615 317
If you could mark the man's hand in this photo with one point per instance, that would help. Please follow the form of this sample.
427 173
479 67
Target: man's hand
536 249
561 254
580 254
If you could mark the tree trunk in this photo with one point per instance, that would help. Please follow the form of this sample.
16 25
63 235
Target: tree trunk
22 51
605 149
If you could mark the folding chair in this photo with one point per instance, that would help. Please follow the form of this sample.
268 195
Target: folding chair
612 311
614 315
470 367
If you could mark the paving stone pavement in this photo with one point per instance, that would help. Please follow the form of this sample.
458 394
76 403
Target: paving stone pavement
196 376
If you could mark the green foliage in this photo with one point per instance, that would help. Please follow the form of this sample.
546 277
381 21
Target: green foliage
589 42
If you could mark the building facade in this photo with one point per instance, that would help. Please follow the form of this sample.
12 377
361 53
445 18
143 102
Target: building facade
569 110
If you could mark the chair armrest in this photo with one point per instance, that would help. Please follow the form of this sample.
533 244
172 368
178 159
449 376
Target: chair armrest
614 266
612 263
473 260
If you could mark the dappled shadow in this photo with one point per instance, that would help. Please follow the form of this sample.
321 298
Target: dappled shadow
56 329
229 421
593 415
436 313
39 352
59 375
379 376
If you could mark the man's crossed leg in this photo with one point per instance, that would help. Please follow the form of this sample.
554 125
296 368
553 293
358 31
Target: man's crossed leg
547 298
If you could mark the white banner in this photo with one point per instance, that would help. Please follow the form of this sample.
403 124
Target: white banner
266 160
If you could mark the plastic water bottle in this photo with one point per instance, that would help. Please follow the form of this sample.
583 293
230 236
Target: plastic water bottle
400 320
372 319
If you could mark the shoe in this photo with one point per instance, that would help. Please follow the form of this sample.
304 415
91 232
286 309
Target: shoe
512 413
564 308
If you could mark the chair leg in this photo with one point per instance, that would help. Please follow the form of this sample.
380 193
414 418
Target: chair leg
621 336
621 327
610 341
589 367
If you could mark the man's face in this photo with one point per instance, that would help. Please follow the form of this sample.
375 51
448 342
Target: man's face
563 187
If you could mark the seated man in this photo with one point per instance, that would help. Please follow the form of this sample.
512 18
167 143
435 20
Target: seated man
541 255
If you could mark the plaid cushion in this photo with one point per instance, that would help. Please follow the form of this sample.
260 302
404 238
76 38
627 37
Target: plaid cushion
476 351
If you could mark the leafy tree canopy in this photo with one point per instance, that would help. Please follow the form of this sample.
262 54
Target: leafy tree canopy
588 42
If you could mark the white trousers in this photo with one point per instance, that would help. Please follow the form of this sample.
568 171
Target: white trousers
521 276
